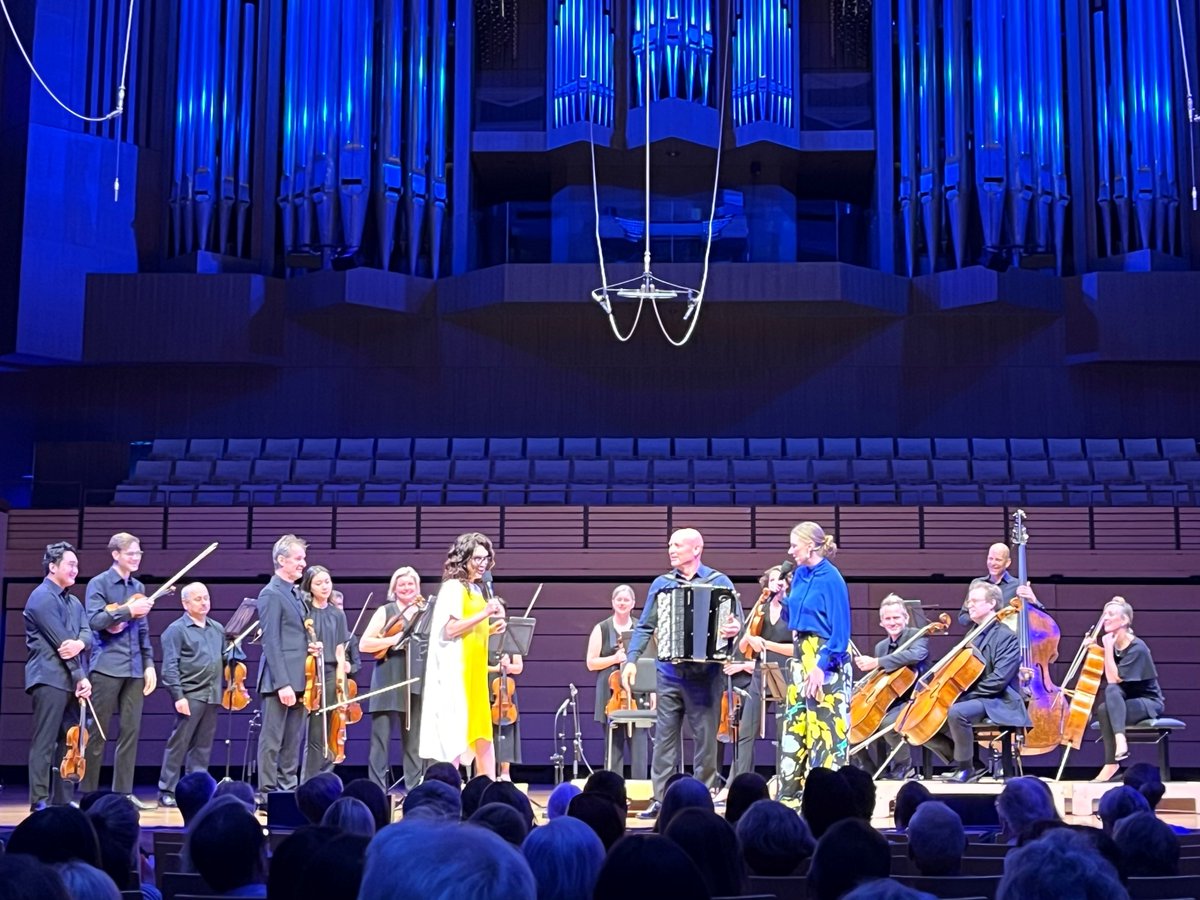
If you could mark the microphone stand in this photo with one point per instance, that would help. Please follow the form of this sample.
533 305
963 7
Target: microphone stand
558 758
577 751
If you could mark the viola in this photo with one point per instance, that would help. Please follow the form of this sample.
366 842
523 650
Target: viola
337 735
346 690
235 696
73 765
876 693
504 701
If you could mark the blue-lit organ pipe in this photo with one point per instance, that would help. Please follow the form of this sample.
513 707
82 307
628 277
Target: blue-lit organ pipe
1140 130
389 170
762 63
439 129
326 41
245 117
1103 140
179 177
1167 187
1039 98
1056 131
954 167
354 134
906 73
229 112
288 122
418 127
583 63
929 188
990 117
1016 63
680 37
1117 116
204 178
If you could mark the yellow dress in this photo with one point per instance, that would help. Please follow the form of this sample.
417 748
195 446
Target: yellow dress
475 673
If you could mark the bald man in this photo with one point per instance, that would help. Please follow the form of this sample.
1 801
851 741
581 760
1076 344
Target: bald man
192 661
688 690
998 560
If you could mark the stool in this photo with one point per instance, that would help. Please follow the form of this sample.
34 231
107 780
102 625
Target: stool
1154 731
1009 762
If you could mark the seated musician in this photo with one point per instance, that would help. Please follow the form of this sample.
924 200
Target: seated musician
895 620
1132 693
995 695
605 655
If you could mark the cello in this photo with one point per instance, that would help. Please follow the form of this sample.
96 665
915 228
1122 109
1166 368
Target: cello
876 693
1089 664
1039 636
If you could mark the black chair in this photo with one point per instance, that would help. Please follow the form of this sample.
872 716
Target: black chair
1154 731
1000 739
176 885
785 887
1164 888
956 886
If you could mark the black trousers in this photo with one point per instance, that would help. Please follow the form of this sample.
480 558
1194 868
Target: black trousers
698 700
1116 712
639 751
280 744
189 747
54 711
383 725
123 696
317 751
749 727
955 742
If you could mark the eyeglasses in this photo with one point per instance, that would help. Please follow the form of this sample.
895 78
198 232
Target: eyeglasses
133 554
481 558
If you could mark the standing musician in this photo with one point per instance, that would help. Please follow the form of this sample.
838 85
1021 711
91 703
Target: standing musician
193 655
994 696
506 736
691 689
895 620
56 636
353 656
280 683
398 710
456 717
1132 693
122 662
816 729
333 633
999 558
605 656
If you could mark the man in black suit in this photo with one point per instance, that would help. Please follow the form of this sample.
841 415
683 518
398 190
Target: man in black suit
281 668
995 695
894 617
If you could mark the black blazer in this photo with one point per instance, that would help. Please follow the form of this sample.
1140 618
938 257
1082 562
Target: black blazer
997 687
284 640
916 654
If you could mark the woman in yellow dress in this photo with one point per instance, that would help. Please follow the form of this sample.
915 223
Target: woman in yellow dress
456 720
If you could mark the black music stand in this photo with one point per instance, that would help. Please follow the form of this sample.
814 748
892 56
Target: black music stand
240 621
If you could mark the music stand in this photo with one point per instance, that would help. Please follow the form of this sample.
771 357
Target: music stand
774 683
241 620
514 639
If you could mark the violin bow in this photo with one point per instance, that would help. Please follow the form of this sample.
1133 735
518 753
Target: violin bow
170 582
95 718
369 694
529 608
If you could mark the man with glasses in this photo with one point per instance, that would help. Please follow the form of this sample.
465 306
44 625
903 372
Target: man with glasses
995 696
122 671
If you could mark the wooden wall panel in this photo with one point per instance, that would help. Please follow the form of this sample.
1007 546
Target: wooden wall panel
199 526
100 523
377 527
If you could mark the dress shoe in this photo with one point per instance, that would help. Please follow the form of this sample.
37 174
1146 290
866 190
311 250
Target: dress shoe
901 774
1121 757
965 775
167 799
37 807
651 811
140 804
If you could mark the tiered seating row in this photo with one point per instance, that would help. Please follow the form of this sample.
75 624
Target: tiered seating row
665 471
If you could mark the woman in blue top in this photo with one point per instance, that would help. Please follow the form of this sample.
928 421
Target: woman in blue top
817 725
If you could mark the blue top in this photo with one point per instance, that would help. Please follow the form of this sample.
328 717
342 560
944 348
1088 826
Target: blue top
819 603
646 625
124 652
52 615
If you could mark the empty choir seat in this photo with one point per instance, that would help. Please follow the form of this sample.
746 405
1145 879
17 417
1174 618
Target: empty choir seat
318 448
206 448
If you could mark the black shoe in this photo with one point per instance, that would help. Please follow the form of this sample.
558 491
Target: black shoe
651 811
965 775
37 807
901 774
141 805
167 799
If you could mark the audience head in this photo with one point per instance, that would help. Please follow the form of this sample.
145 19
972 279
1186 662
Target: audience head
1022 802
658 867
849 853
373 795
334 870
350 816
472 793
686 793
115 819
711 843
56 834
827 799
744 790
88 800
1121 802
491 870
288 863
510 795
317 794
239 789
936 839
24 878
775 840
447 772
565 856
433 799
1061 865
862 786
600 814
1148 847
1146 779
193 791
611 785
911 795
886 889
225 845
83 882
556 806
501 819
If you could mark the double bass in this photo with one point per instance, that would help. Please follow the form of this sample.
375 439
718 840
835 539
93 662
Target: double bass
876 693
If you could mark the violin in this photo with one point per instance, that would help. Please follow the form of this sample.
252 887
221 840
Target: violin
878 691
754 622
337 735
314 674
504 701
401 624
235 696
731 715
113 608
73 765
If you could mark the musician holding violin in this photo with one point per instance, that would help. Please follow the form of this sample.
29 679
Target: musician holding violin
995 695
193 657
399 649
1131 691
56 635
506 716
332 634
605 656
122 670
897 651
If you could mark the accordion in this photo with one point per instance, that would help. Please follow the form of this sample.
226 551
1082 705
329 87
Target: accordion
689 623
